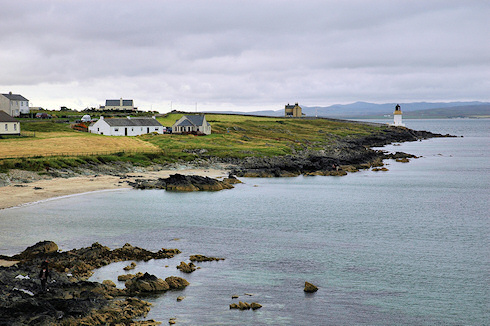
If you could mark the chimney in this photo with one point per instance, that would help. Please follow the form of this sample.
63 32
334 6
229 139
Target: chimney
10 93
101 118
120 101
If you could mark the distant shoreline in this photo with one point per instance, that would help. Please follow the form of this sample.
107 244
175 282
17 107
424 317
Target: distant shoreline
347 153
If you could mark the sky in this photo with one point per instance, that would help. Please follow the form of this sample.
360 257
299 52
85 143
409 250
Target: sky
228 55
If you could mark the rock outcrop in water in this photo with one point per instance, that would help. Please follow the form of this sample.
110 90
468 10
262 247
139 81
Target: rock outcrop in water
186 268
201 258
310 288
70 299
179 182
245 306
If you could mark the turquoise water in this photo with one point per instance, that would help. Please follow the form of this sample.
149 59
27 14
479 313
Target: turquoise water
404 247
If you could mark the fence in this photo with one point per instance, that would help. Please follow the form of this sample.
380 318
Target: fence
23 134
81 154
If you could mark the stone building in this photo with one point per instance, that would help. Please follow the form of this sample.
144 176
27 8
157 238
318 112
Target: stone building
293 111
14 104
118 105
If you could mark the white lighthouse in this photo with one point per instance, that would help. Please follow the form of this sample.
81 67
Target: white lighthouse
397 117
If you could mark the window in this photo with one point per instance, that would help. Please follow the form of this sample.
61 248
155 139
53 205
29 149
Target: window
116 129
15 127
156 129
6 127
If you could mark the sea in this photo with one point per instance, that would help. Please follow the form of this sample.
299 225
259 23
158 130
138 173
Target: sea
409 246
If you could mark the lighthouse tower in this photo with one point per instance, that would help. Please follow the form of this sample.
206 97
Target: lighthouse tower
397 117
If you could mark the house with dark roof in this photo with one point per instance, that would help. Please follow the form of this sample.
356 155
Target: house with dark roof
126 126
191 123
8 125
293 111
118 105
14 104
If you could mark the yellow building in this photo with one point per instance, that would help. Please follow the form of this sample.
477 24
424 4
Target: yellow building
293 111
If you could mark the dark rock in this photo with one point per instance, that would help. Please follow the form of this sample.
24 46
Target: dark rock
186 268
201 258
130 267
176 283
245 306
231 179
310 288
255 306
43 248
179 182
145 284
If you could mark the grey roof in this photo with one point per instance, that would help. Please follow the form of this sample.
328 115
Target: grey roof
117 102
15 97
133 122
195 120
186 123
4 117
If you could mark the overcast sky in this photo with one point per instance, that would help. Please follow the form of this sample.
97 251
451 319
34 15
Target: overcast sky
244 55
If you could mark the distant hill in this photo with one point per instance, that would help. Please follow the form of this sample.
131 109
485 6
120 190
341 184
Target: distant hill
468 111
373 110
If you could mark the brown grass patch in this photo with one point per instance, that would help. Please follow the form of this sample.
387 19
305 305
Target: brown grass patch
60 143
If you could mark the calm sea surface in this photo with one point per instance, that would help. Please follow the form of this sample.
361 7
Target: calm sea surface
406 247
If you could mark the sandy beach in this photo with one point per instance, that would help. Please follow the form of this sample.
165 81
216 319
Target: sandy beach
39 190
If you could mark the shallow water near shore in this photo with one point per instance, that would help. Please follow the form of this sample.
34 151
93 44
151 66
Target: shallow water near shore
404 247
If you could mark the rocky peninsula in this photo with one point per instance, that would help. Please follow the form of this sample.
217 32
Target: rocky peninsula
347 154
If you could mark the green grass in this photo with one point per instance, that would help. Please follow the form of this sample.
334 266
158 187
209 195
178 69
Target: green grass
45 126
240 136
233 136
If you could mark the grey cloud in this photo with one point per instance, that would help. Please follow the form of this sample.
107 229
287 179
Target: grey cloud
320 52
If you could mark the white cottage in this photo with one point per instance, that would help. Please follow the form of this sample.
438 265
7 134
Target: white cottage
126 126
14 104
191 123
8 125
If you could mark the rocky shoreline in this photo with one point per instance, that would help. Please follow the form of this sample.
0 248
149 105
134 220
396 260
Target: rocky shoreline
69 299
346 154
72 300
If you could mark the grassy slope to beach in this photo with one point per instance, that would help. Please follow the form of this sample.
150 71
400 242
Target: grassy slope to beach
241 136
233 136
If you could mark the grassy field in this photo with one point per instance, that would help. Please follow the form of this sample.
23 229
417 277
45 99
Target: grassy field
232 136
240 136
